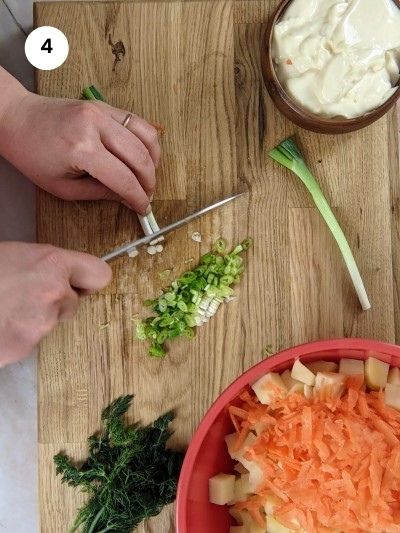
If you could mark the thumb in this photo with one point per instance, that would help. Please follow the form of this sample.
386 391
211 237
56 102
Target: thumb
86 272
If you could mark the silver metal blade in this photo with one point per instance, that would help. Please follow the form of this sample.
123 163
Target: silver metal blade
127 248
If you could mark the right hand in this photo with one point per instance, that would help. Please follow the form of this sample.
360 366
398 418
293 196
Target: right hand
40 285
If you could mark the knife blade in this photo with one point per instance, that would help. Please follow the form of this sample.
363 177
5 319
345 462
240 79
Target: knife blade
132 246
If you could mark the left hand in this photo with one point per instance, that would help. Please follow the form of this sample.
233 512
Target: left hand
79 150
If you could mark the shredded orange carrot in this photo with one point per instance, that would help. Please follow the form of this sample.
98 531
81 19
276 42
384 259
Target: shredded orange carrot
333 462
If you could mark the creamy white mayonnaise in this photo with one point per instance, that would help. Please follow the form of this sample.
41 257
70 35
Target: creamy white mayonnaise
338 57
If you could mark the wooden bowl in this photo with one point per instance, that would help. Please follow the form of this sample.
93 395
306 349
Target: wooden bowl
292 110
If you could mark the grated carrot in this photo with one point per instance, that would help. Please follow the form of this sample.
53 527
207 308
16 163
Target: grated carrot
334 464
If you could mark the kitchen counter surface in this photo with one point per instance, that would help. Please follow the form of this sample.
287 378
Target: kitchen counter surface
18 420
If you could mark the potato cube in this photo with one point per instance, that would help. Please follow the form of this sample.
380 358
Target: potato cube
273 526
237 515
271 503
240 469
288 380
297 389
302 373
322 366
376 373
269 388
237 529
244 519
308 392
255 471
256 474
222 488
351 367
237 455
242 488
394 376
392 395
329 385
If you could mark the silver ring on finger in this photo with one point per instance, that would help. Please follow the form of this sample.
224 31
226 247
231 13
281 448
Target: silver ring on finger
127 119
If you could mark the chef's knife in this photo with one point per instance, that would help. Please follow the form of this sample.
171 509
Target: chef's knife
132 246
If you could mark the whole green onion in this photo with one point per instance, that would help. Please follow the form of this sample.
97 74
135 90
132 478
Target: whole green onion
288 154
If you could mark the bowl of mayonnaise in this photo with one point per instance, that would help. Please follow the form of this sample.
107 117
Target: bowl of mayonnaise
332 66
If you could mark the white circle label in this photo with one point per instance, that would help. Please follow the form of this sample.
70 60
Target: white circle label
46 48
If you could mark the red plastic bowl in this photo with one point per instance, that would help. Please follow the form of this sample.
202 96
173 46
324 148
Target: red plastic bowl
207 453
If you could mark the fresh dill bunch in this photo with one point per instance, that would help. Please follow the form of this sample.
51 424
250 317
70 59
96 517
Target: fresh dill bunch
130 474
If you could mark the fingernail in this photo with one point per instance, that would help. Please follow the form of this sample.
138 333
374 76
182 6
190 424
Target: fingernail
148 210
151 198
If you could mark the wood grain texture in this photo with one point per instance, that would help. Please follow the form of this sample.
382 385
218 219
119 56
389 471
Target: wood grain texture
194 67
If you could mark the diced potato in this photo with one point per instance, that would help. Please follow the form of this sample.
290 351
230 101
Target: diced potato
237 515
271 503
329 384
256 474
376 373
244 519
273 526
269 388
302 373
240 469
394 376
242 488
392 395
288 380
237 529
255 528
297 389
237 455
308 391
351 367
255 471
322 366
221 488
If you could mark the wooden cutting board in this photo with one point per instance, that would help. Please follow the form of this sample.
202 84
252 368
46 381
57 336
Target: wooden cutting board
194 67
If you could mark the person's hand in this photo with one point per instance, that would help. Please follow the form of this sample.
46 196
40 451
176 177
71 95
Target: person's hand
79 150
40 285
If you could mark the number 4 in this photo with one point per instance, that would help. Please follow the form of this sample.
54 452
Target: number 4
46 46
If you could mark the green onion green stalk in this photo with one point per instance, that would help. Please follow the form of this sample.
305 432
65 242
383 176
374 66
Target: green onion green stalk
91 93
288 154
194 298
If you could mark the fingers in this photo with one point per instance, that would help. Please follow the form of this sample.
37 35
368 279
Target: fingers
144 131
68 306
116 176
131 150
85 272
84 188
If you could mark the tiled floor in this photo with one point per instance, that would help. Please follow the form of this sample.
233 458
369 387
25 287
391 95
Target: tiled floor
18 513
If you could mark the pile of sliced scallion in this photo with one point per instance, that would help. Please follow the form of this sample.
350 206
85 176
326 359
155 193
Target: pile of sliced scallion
194 298
288 154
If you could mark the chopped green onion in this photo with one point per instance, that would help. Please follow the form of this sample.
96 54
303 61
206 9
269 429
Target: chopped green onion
91 93
288 154
192 299
267 351
219 246
165 274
